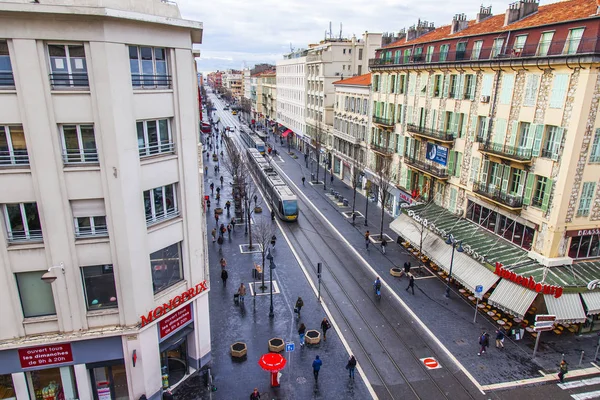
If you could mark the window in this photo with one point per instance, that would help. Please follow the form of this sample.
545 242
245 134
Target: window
585 246
429 55
13 150
99 287
418 54
22 222
360 54
407 53
149 67
470 87
573 40
559 90
36 295
519 44
461 47
506 92
401 83
154 137
486 84
393 84
60 380
444 51
525 138
79 144
476 49
595 150
90 226
544 44
497 48
516 181
6 74
552 142
160 204
587 194
67 65
344 51
453 85
166 267
531 87
541 193
376 83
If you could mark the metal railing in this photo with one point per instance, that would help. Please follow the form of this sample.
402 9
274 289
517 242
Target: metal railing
76 80
494 193
155 219
15 157
433 169
430 133
385 150
98 231
514 153
80 156
561 48
383 121
7 79
25 236
157 148
141 81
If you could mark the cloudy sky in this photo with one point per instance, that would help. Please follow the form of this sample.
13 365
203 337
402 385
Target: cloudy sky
238 32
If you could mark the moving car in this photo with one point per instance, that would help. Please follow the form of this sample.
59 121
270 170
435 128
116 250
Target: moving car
234 112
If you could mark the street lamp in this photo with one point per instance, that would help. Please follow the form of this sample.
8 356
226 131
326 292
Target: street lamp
325 173
454 243
271 268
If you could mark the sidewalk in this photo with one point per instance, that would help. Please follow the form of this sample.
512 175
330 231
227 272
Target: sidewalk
451 320
250 323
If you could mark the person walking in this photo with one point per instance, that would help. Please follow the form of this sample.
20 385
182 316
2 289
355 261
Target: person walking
407 269
206 168
208 204
212 188
224 276
242 292
273 240
223 263
500 339
301 333
411 284
255 395
303 180
229 229
214 234
232 222
367 234
220 243
351 366
317 364
221 179
562 371
331 180
383 245
325 325
484 342
222 230
228 206
299 305
216 218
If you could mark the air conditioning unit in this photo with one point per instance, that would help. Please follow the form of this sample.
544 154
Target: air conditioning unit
337 74
485 99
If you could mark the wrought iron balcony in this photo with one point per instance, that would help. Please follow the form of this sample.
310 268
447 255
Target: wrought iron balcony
518 154
64 80
498 196
426 167
434 134
385 151
386 122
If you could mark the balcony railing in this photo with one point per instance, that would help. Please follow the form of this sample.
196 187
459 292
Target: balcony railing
156 148
430 133
141 81
494 193
155 219
34 235
86 156
432 169
383 150
60 80
15 157
555 49
504 151
389 122
98 231
7 79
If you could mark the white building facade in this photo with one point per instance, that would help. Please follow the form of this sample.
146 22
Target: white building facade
99 164
291 94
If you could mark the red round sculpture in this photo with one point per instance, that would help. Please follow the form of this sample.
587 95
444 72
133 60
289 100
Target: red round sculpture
273 363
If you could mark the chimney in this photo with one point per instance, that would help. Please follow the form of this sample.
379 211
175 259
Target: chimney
459 22
419 30
519 10
484 13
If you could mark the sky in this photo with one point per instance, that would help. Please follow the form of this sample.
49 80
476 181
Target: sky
240 33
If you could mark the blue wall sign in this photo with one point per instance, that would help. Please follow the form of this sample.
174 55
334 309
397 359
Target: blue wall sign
437 153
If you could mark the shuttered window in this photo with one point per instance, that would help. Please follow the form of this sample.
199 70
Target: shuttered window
486 85
452 202
508 82
595 151
559 90
531 87
587 194
474 169
500 131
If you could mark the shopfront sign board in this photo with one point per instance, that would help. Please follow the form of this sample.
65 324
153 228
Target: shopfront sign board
528 283
437 153
175 321
173 303
41 356
543 317
543 326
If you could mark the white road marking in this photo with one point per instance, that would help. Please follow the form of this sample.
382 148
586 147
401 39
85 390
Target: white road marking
587 395
580 383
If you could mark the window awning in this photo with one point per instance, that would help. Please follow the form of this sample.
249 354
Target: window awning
287 132
592 302
567 308
512 298
466 270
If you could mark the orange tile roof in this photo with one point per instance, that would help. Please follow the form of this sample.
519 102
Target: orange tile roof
562 11
361 80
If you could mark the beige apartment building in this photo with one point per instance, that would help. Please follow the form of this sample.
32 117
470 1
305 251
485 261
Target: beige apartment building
493 125
268 82
101 199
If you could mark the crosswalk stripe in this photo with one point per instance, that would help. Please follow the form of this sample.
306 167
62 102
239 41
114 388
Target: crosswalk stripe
580 383
587 396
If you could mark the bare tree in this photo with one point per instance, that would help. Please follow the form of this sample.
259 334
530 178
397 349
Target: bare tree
358 166
383 178
263 231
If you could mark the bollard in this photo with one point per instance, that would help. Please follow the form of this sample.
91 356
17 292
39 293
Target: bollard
581 358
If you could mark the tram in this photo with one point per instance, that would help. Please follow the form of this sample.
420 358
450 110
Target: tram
252 141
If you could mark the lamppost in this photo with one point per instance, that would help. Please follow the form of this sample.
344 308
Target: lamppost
454 243
325 172
271 268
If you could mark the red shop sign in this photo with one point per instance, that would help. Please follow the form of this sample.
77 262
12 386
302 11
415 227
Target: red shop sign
175 302
32 357
172 323
529 283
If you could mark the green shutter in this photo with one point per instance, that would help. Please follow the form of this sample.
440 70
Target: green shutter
408 180
484 129
486 85
528 188
473 126
451 163
514 132
421 179
431 85
484 171
508 82
401 145
505 178
474 169
458 166
557 141
445 85
461 87
537 140
547 191
559 90
455 121
500 132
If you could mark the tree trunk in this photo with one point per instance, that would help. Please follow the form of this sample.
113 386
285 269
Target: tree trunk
318 159
262 286
353 199
382 215
250 246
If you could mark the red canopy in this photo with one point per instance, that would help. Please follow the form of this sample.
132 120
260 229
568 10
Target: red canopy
287 132
272 362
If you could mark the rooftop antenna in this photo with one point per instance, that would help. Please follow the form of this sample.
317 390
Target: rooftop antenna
340 31
291 48
329 29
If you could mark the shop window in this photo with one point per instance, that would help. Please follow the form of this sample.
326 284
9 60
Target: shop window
110 382
167 268
585 246
36 295
7 390
53 383
99 287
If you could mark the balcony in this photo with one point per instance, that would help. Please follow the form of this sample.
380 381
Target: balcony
384 122
429 133
491 192
382 150
140 81
426 168
62 80
7 80
555 50
517 154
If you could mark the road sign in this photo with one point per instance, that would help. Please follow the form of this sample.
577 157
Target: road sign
290 346
543 328
430 363
479 292
545 318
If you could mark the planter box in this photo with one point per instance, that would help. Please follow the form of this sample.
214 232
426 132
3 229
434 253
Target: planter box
312 337
276 345
239 350
397 272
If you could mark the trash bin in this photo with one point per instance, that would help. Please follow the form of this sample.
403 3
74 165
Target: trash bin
332 192
346 202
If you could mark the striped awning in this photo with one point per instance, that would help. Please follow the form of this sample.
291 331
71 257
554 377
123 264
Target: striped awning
512 298
592 302
567 308
287 133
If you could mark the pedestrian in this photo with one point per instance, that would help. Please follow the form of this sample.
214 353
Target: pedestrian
484 342
301 333
242 292
324 326
224 276
216 167
167 395
232 223
500 339
299 305
411 284
216 218
367 234
383 245
273 240
563 369
331 180
272 214
206 167
221 180
218 190
303 180
220 243
214 234
351 366
229 228
317 367
227 206
212 187
255 395
207 203
222 230
223 263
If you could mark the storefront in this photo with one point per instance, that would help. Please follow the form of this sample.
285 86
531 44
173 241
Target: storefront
585 243
173 332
